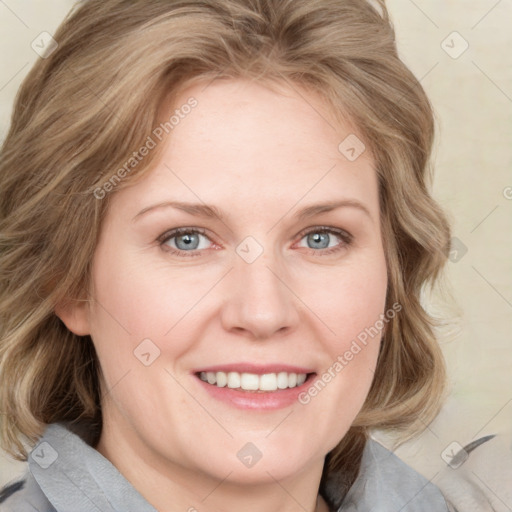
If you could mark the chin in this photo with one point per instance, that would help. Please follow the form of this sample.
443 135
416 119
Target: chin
263 461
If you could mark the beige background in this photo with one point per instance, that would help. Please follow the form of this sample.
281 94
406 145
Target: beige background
472 95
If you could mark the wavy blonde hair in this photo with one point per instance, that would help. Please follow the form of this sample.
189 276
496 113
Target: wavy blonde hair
81 112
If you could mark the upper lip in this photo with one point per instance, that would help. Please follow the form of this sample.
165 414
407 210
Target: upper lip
257 369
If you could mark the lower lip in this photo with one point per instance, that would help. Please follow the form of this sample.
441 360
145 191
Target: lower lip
263 401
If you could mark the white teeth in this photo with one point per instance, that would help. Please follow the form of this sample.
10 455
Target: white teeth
222 379
249 382
282 380
268 382
233 380
254 382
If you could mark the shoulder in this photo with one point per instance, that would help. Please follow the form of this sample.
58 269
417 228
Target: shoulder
24 495
386 482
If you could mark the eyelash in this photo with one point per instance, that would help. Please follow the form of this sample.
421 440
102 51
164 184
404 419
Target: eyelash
346 238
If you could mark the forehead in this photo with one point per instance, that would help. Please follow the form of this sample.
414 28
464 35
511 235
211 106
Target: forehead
247 143
263 120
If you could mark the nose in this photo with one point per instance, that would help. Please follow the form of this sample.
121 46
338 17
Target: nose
259 301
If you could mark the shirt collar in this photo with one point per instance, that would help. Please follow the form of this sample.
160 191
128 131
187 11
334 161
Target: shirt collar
75 476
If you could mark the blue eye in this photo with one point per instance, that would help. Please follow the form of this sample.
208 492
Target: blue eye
320 239
186 242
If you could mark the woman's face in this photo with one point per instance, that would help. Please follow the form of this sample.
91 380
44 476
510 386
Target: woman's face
276 289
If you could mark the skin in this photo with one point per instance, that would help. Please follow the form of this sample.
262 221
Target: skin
259 155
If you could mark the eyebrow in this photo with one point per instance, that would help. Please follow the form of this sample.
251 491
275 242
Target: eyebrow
210 211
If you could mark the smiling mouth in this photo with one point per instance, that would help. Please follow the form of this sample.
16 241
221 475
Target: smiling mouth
253 382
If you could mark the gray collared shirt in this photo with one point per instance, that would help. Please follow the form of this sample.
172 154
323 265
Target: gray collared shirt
65 474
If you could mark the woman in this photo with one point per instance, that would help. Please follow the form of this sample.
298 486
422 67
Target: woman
216 228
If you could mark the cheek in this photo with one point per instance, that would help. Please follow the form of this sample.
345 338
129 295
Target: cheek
353 308
351 305
139 301
349 301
